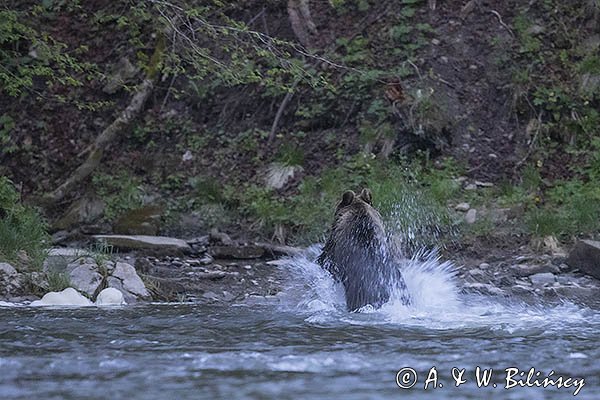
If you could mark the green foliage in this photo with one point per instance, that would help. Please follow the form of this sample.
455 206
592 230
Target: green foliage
6 126
529 43
28 55
290 154
404 199
122 192
23 235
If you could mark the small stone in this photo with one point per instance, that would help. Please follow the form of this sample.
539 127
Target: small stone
471 216
464 207
522 282
187 156
483 288
206 260
476 272
541 279
211 296
564 267
471 186
535 29
524 270
484 184
484 265
435 42
521 289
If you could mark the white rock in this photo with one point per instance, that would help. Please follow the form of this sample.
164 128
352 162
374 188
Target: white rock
484 184
68 297
110 297
462 207
130 280
85 278
278 175
471 216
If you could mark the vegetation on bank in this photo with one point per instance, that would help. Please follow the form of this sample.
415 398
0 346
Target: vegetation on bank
364 107
23 235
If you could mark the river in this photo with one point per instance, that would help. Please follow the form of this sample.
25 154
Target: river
302 344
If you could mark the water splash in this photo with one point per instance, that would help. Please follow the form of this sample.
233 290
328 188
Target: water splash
429 281
436 301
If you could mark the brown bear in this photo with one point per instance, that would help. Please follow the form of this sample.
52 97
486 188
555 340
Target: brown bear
358 255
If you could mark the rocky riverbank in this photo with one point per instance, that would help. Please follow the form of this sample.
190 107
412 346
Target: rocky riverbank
216 269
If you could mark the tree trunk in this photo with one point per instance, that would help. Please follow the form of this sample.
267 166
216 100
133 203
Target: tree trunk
96 149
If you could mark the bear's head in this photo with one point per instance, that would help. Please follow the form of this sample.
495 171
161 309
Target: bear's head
355 214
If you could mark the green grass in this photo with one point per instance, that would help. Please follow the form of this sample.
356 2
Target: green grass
23 235
405 203
57 281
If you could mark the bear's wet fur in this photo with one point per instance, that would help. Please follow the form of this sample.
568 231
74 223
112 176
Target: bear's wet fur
357 254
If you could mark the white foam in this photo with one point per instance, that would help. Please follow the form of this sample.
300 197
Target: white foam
436 301
67 297
7 304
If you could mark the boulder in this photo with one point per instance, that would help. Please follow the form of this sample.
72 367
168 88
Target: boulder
110 297
7 270
128 280
586 256
155 244
67 297
59 258
86 278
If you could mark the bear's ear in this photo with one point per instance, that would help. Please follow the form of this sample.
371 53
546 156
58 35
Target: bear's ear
347 199
366 196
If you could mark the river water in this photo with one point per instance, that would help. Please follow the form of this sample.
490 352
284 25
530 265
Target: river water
302 344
